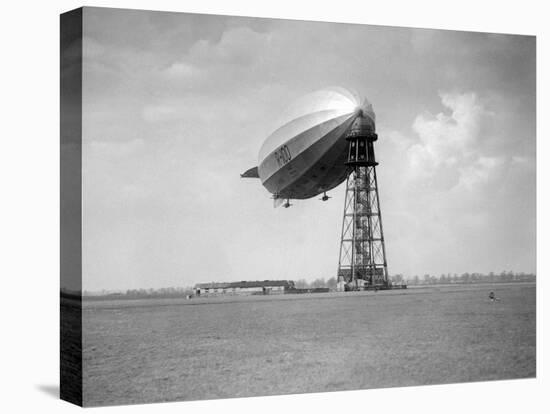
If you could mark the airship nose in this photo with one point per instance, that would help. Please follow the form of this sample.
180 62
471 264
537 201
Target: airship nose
365 109
366 114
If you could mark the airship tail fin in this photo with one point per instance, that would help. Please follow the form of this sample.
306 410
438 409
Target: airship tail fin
251 173
277 202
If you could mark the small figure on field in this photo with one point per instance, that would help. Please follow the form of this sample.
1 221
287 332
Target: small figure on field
493 297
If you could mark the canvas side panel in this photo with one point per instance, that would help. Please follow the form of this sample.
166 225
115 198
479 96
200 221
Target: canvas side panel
71 206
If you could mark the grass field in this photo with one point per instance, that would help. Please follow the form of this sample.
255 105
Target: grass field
161 350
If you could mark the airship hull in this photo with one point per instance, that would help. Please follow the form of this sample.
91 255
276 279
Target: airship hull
310 163
307 156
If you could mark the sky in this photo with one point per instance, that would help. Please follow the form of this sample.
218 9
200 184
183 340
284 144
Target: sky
176 106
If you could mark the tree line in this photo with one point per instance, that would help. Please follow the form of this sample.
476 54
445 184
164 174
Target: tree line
428 279
160 293
492 277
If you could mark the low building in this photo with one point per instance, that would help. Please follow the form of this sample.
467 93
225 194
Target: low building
265 287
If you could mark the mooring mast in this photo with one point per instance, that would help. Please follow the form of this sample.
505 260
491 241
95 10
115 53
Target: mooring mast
362 262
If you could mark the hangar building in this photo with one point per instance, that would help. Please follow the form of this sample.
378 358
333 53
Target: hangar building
265 287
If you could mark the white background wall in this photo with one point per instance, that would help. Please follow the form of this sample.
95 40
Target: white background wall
29 223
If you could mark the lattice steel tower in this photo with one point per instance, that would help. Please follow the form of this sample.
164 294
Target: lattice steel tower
362 263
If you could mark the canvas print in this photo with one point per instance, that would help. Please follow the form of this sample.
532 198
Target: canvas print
255 207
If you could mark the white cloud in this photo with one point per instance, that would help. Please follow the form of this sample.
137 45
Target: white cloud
239 46
480 172
445 136
181 70
447 152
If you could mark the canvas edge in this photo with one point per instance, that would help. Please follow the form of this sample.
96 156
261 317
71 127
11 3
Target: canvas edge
71 29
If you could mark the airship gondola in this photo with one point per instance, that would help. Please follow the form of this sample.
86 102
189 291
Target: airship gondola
307 155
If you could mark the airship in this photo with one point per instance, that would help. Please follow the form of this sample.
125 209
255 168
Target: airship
307 155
